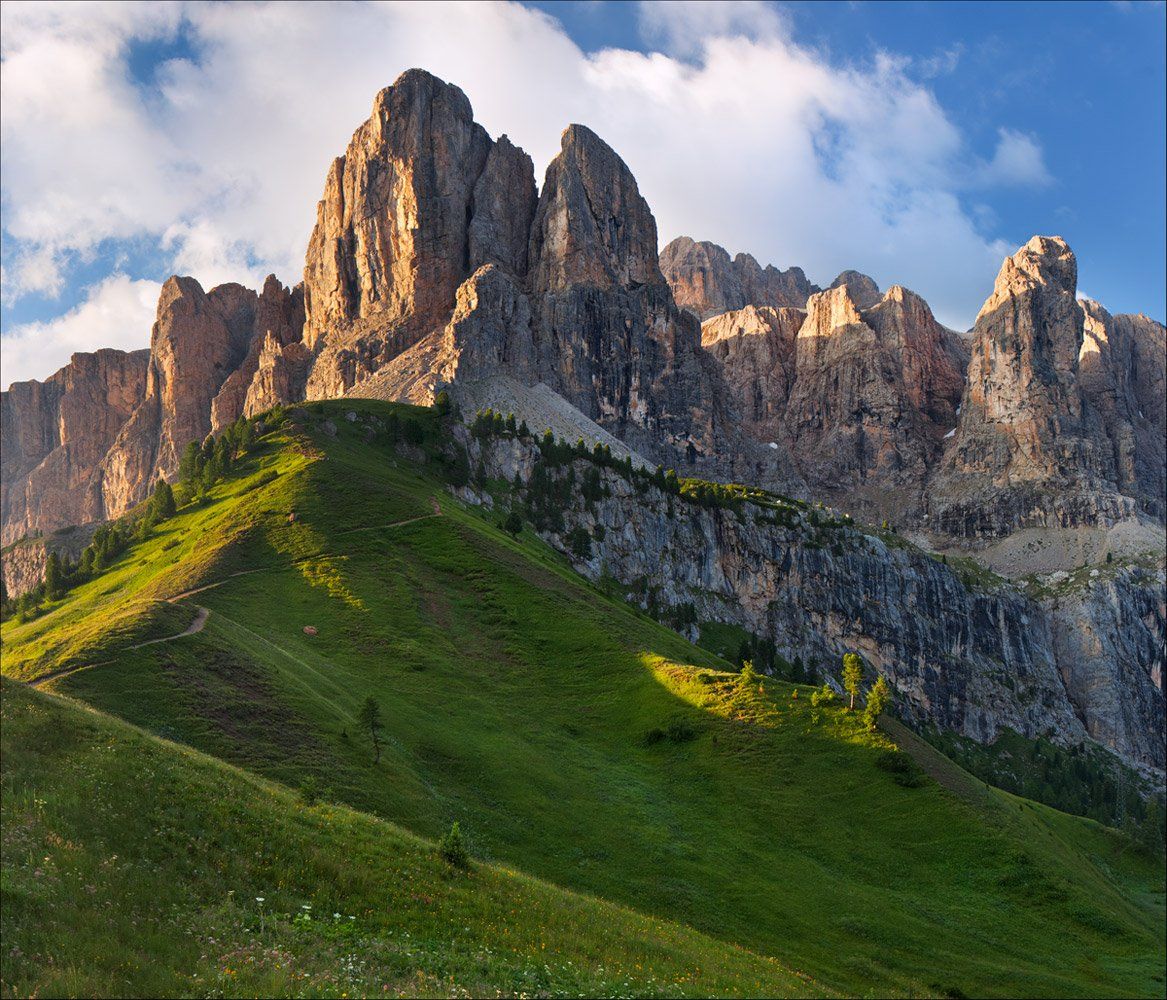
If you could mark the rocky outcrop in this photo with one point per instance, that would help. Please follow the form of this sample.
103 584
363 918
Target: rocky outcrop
199 339
395 230
277 324
755 348
862 398
863 291
973 660
1122 375
88 443
608 335
55 434
706 282
23 564
1030 448
1108 634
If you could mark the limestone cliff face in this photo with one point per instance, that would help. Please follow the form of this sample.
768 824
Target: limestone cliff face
609 336
23 564
199 339
395 229
970 660
277 324
1108 637
862 398
706 282
56 432
756 349
1030 446
1123 376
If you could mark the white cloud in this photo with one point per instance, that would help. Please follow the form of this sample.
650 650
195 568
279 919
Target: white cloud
117 312
682 27
735 132
1018 160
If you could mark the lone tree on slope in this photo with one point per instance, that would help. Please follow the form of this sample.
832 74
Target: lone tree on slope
877 700
852 675
370 718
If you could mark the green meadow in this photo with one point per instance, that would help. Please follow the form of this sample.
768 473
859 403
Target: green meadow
642 822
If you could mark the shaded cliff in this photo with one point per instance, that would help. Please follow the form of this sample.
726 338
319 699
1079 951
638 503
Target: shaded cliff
965 651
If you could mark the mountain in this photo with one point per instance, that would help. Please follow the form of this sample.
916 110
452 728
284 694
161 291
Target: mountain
1034 444
436 261
630 799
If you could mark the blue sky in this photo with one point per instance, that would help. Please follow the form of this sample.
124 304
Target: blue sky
917 142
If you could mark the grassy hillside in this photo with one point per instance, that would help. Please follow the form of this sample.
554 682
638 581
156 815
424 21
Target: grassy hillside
133 867
572 737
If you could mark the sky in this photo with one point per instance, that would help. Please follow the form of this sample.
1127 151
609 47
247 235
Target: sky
919 143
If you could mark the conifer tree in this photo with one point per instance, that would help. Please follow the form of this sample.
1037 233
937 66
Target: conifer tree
370 719
852 675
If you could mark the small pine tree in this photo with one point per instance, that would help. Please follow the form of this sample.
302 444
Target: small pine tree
162 504
454 849
54 577
877 701
852 675
191 464
513 524
369 718
748 677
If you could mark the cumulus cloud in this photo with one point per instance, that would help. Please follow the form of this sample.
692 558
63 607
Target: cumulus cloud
117 312
1018 160
735 132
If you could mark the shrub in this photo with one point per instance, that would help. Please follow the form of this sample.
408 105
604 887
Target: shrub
680 730
902 768
748 676
453 848
309 791
654 736
823 696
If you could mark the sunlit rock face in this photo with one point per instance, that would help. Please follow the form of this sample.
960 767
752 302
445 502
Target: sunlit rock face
55 434
1040 440
706 281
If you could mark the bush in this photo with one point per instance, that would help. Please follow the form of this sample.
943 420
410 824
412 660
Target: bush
823 696
902 768
654 736
680 730
453 848
309 791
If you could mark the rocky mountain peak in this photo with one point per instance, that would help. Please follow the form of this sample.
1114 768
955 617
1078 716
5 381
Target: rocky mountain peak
391 242
1045 263
864 291
830 312
592 226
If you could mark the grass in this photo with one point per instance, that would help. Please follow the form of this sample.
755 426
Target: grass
518 700
132 867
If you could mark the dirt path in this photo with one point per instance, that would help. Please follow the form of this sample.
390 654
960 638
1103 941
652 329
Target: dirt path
393 524
200 620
